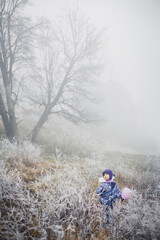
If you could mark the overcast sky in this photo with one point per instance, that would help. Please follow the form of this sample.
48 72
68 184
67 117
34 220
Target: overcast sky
133 69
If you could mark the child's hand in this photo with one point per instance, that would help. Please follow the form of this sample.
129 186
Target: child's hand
122 199
104 189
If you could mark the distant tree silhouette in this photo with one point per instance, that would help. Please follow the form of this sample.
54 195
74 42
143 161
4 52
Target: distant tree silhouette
15 43
66 66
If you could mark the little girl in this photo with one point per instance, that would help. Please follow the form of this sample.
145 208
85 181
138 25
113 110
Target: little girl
108 191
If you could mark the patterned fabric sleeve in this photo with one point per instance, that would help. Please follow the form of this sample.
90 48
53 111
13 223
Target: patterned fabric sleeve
99 189
116 192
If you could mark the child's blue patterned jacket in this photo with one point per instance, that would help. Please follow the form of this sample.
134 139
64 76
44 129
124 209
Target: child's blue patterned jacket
108 192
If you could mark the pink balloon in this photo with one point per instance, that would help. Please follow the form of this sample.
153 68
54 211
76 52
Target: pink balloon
125 193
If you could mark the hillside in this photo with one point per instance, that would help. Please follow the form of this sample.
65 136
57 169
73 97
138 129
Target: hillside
55 197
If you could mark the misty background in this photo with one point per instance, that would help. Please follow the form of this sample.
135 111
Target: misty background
79 93
128 91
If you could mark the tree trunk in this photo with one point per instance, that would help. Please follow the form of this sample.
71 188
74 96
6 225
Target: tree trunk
11 112
10 124
5 119
40 124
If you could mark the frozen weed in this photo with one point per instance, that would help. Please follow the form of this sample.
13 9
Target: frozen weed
138 218
20 213
18 151
58 201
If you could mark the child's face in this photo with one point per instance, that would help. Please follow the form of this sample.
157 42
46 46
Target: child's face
106 177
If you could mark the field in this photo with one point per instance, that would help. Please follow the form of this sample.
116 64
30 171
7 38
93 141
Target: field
54 196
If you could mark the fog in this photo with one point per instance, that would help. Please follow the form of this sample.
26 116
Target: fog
130 83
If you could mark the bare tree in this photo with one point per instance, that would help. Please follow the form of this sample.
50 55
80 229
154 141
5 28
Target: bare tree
67 64
15 30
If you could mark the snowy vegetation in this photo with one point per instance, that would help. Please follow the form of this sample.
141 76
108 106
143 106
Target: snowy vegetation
56 198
